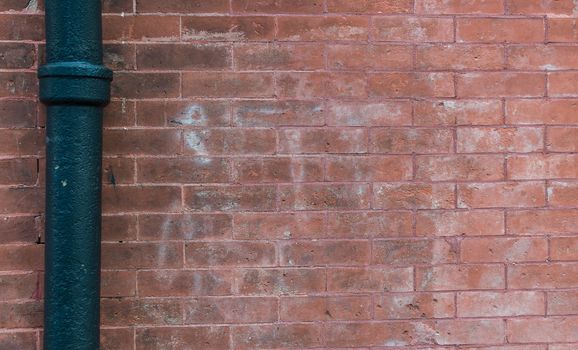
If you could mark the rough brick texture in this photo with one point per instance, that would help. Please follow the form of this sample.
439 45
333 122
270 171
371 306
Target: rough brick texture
315 174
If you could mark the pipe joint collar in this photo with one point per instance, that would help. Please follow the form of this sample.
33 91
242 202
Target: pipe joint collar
75 83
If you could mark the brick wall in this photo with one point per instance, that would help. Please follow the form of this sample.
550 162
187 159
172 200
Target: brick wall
315 174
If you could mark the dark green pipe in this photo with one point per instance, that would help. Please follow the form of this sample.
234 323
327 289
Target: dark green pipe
75 86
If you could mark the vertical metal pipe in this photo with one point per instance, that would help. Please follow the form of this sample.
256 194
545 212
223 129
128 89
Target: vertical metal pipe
75 86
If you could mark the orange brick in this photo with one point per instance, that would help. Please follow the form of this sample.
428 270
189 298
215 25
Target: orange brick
461 277
540 276
460 223
496 30
490 304
564 248
562 30
460 7
413 29
383 168
486 250
365 57
460 112
498 84
543 166
551 111
563 194
495 140
370 6
460 167
460 57
503 194
320 28
413 196
304 253
397 85
543 330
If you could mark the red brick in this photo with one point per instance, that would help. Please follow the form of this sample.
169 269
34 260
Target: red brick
18 286
23 142
292 281
269 56
142 255
542 221
503 194
370 6
542 329
460 7
562 30
514 250
413 196
460 112
322 28
172 6
366 280
413 252
20 200
14 5
362 57
18 84
414 306
499 84
140 28
489 304
118 284
230 141
145 85
460 223
230 310
495 140
563 139
362 168
21 27
221 28
116 338
181 338
278 225
18 171
332 140
138 312
460 167
416 333
325 308
279 169
417 84
562 302
219 84
119 56
237 254
324 197
183 57
561 84
321 85
542 57
141 199
119 228
183 283
157 227
564 248
287 336
16 56
21 315
307 253
542 7
119 113
549 111
19 229
230 198
390 113
183 170
255 113
497 30
182 113
563 194
540 276
17 114
543 166
18 340
369 224
277 6
413 29
460 277
118 171
407 141
460 57
456 332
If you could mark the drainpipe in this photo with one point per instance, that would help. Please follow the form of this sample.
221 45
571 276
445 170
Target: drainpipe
75 87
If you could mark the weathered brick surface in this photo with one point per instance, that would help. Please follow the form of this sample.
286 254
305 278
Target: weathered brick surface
314 174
